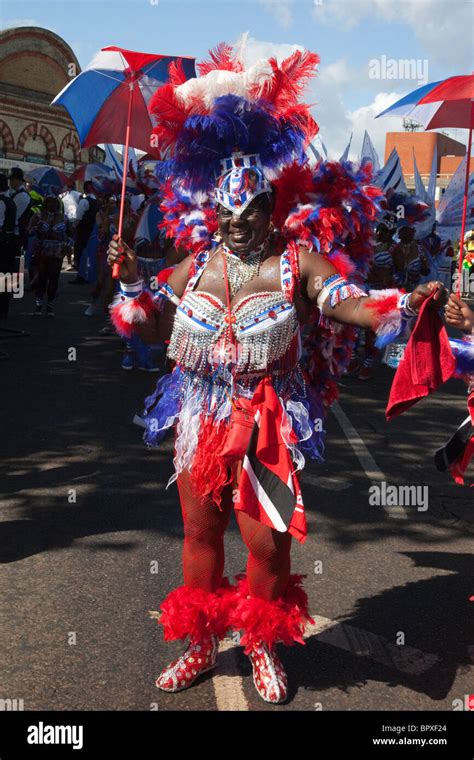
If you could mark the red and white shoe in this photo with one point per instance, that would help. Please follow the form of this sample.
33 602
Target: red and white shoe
269 675
199 657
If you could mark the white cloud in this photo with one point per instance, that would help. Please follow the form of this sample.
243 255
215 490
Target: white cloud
363 118
443 29
281 9
328 90
251 50
336 120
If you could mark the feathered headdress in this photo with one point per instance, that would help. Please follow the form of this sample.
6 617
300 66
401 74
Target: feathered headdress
203 120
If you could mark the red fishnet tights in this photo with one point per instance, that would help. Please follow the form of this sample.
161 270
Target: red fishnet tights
268 564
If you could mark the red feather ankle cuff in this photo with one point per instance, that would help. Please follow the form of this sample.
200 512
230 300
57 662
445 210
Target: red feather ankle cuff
270 621
196 613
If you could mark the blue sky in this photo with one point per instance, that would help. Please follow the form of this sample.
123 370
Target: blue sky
347 34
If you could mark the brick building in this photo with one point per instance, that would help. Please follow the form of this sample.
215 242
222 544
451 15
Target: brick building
35 64
423 144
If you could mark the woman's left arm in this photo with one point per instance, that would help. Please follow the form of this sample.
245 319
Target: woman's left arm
346 303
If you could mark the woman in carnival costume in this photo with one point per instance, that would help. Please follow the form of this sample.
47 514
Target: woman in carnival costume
271 245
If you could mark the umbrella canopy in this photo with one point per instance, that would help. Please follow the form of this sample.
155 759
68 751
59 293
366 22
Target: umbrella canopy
90 171
47 178
150 218
98 98
146 178
109 100
448 103
113 186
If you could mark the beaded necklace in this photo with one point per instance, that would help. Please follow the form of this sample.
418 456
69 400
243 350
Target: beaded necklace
242 268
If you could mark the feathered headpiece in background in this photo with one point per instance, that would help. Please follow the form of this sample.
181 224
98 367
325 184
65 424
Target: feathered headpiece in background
404 209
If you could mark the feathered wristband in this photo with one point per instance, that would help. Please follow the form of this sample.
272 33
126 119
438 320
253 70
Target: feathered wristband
393 314
132 306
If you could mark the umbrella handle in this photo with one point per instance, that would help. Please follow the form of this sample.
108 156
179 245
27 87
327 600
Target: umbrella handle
116 267
464 213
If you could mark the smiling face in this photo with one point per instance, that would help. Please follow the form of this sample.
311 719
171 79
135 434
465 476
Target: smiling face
246 232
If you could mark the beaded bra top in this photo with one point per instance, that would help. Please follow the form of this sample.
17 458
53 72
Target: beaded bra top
265 329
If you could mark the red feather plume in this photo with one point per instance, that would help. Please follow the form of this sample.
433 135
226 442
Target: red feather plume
170 113
222 57
289 80
176 73
166 107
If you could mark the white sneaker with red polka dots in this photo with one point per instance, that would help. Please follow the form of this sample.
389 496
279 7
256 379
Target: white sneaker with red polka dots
199 657
269 675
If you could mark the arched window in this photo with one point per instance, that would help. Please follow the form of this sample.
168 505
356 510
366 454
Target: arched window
35 150
69 158
2 147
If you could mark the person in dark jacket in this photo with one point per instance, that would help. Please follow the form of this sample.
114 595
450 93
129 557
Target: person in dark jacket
7 246
87 209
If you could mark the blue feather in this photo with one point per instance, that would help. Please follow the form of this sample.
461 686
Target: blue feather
234 123
464 354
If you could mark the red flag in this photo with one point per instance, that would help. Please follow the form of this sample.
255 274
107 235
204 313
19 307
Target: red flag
269 490
428 362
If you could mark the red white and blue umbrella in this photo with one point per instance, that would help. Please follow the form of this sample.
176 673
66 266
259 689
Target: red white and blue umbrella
116 80
88 172
150 218
108 100
47 179
145 176
449 103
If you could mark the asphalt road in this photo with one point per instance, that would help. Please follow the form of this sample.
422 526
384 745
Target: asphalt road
392 587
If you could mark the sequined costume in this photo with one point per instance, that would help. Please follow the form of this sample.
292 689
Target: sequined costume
201 386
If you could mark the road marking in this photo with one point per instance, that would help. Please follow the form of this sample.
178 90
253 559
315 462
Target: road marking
367 462
228 685
366 644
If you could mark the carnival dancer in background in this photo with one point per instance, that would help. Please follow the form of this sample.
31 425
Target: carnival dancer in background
430 247
380 277
52 237
272 244
408 261
105 220
467 271
153 257
150 262
70 199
